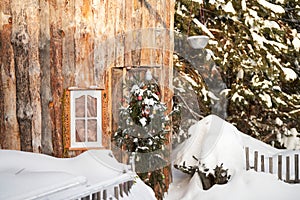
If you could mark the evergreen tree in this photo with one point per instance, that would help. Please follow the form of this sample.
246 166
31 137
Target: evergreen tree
255 47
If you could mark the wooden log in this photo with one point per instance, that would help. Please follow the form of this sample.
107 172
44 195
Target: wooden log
280 167
297 167
255 160
262 163
9 129
33 26
287 172
271 165
45 92
247 158
56 77
20 41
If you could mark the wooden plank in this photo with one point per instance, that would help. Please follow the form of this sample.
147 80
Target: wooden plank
46 96
271 165
297 167
33 23
255 160
116 192
84 44
120 32
121 189
126 188
68 59
56 77
280 167
99 13
23 101
104 194
287 172
129 32
262 163
136 24
9 129
247 158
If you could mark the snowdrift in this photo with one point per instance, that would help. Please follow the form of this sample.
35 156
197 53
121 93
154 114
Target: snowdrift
26 175
214 141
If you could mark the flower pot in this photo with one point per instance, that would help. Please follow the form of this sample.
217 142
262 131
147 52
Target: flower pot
198 41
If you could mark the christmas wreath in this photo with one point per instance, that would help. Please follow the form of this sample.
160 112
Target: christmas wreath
143 129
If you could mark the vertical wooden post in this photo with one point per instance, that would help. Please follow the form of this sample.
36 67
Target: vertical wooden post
121 189
271 165
126 188
255 160
287 173
104 195
262 163
98 195
297 168
247 158
116 191
280 167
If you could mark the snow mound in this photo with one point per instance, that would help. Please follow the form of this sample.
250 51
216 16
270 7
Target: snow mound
214 141
25 175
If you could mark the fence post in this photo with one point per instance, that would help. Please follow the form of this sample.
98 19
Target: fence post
255 160
271 165
262 163
247 158
287 164
280 167
121 189
116 190
126 188
297 168
104 194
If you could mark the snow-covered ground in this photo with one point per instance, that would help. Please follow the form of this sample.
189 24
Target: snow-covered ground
26 175
213 141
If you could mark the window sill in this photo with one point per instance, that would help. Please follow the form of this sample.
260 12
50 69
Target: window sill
85 148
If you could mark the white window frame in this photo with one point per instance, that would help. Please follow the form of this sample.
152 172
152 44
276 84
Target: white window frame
74 95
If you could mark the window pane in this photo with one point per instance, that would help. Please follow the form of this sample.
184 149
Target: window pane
91 106
92 130
80 131
80 106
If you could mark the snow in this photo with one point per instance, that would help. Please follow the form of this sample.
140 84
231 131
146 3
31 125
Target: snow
273 7
26 175
290 74
266 98
229 8
203 28
214 141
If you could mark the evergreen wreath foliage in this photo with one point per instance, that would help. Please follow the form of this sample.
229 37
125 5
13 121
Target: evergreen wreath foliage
143 130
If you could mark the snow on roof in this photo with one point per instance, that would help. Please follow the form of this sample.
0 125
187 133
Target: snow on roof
25 175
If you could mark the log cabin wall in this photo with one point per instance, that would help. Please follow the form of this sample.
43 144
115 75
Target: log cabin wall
48 46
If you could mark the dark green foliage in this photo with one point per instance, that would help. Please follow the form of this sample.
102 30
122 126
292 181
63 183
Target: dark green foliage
258 41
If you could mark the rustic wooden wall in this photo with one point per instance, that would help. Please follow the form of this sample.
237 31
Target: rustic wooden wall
48 46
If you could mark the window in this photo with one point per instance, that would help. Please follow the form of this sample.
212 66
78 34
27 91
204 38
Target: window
86 122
